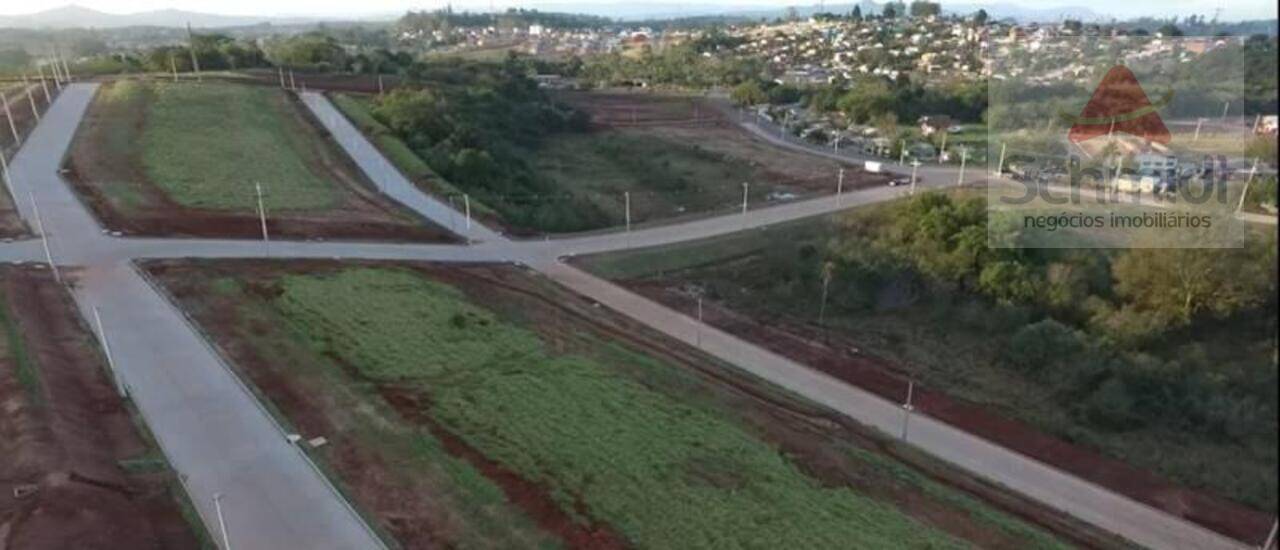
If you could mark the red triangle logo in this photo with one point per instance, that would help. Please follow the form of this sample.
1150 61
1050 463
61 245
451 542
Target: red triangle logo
1119 105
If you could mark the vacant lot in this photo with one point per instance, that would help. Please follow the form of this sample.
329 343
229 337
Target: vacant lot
164 158
676 156
76 471
880 331
481 407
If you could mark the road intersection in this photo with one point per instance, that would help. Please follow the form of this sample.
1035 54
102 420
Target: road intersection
224 441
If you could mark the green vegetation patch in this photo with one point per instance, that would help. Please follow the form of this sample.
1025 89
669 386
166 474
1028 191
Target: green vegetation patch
207 144
1164 359
15 348
663 473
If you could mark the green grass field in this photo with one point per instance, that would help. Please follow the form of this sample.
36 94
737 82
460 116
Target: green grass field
207 144
665 177
662 471
956 344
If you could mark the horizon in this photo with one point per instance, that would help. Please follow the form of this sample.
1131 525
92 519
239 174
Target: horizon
330 9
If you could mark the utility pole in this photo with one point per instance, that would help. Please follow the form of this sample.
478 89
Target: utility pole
1199 122
44 238
915 164
699 333
744 198
1000 167
66 70
902 152
44 85
293 85
173 66
839 185
280 71
1271 537
626 199
380 88
9 115
907 408
106 349
222 522
943 150
191 45
1245 193
836 148
466 205
1226 106
262 218
57 79
964 156
828 269
4 171
32 100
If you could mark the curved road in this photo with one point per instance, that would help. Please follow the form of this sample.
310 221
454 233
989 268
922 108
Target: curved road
218 435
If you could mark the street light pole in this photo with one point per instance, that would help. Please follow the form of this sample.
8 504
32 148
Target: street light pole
964 156
839 185
1245 192
744 198
626 199
915 164
907 408
44 238
262 218
699 332
222 522
106 350
9 115
32 99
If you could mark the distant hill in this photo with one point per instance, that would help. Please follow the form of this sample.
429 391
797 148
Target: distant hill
72 16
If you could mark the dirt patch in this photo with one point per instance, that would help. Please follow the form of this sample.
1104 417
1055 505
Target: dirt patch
140 207
840 357
815 439
64 436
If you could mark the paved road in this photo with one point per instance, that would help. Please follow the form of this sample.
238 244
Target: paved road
210 426
1084 500
215 431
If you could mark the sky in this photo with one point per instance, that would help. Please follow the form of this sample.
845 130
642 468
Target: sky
1231 9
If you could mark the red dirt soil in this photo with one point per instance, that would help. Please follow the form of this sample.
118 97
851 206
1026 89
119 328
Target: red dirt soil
68 438
836 358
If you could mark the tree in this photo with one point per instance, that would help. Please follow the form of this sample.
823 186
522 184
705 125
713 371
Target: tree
749 93
1178 284
921 8
856 14
866 101
888 12
980 17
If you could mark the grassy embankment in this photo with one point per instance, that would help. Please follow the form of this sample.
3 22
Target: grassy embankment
246 134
